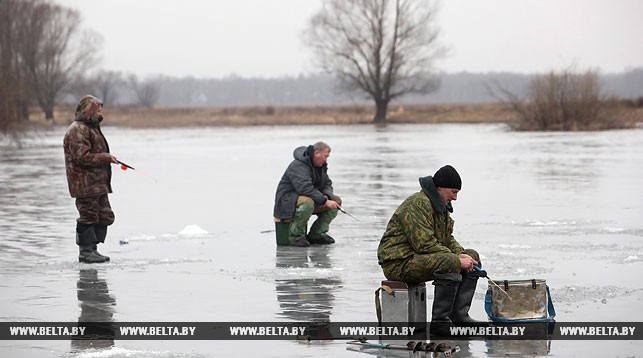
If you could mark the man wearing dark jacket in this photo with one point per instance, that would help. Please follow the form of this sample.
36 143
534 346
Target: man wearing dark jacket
87 163
305 189
418 246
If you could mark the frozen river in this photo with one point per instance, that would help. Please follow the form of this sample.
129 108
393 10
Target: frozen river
565 207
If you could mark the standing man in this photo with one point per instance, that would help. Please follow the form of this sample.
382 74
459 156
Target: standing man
418 246
89 175
305 189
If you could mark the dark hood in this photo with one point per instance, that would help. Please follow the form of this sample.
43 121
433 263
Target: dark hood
301 154
429 188
86 111
305 154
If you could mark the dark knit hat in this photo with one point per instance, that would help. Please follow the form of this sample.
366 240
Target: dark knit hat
447 177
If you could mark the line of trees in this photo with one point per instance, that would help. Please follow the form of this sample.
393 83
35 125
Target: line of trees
379 50
114 87
42 51
46 58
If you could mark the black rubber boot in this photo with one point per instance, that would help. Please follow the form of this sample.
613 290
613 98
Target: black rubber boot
300 241
446 288
101 234
464 297
87 255
86 240
323 239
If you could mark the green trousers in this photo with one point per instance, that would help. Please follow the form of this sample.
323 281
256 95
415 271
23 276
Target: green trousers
305 209
420 268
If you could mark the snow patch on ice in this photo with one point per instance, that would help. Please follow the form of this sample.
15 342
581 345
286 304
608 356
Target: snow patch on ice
193 230
632 258
513 246
141 237
551 223
613 229
124 352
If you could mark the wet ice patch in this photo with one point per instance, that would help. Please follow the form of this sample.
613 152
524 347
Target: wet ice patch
589 293
193 230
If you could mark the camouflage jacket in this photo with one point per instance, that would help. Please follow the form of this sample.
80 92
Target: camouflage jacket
87 159
301 178
420 225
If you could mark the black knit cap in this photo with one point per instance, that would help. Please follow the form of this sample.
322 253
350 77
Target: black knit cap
447 177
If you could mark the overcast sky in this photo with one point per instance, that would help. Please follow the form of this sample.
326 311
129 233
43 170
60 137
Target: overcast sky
217 38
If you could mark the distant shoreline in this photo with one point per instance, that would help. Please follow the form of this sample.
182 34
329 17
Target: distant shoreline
168 117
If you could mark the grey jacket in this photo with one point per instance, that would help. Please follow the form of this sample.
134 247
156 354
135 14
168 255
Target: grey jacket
301 178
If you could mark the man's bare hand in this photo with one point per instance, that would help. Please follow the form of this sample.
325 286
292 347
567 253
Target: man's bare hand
467 262
331 204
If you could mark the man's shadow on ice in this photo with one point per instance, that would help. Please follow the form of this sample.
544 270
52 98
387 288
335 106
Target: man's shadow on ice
305 286
96 312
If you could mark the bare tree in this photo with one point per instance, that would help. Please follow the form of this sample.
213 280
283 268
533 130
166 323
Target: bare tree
382 48
106 83
147 91
54 52
13 99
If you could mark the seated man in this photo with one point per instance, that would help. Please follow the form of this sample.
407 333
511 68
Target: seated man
305 189
418 246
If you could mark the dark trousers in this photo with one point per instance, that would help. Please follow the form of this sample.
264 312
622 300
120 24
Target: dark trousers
94 210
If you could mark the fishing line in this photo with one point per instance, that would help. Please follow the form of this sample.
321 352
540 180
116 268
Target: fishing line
127 166
483 273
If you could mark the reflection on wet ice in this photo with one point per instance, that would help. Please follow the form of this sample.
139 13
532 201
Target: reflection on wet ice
520 348
306 296
96 306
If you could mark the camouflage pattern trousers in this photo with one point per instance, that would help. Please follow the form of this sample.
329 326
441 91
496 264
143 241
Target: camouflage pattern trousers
420 268
305 209
94 210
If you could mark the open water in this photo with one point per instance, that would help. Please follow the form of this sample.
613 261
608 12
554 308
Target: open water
565 207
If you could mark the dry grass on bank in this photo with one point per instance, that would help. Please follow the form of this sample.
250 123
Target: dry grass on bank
165 117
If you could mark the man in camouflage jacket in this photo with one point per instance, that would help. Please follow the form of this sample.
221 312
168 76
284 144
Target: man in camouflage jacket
305 189
418 246
89 174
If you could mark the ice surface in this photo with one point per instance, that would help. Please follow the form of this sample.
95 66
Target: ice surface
565 207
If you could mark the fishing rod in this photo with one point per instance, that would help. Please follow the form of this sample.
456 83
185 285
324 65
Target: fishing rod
125 166
344 211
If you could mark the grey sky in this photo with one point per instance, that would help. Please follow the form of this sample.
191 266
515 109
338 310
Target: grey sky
216 38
